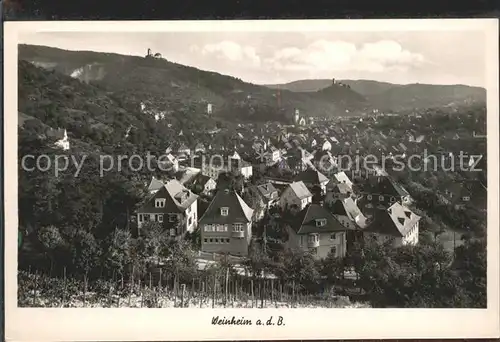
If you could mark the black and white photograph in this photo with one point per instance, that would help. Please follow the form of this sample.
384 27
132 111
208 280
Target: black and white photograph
207 167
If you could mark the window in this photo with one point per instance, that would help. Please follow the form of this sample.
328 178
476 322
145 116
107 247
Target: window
333 236
216 240
160 202
173 232
147 217
320 222
333 250
314 251
228 240
380 198
369 197
237 227
224 211
208 228
190 221
211 240
205 240
225 227
160 218
220 228
171 218
393 199
140 218
466 198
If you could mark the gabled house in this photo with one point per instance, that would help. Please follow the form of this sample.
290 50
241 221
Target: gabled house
397 223
296 195
226 225
203 184
168 204
268 193
313 178
199 148
337 191
380 192
316 230
348 213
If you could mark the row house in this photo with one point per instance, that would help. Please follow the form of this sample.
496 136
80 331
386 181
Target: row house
226 225
170 203
317 231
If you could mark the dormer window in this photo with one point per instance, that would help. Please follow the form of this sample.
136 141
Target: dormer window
160 203
466 198
320 222
224 211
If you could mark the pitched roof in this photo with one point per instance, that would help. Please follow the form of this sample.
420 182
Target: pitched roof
396 221
385 185
311 177
268 191
300 190
238 210
304 222
178 199
155 185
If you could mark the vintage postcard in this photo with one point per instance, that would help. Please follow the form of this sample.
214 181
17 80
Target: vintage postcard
251 180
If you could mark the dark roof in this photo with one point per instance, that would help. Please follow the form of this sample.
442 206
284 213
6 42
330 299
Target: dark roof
311 177
239 211
385 185
200 180
304 222
395 221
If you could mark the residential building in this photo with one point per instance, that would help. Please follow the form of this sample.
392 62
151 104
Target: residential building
316 230
226 225
380 192
171 203
268 193
296 195
397 224
312 178
203 184
348 213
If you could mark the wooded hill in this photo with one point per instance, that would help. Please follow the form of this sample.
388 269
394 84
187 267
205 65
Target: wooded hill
173 87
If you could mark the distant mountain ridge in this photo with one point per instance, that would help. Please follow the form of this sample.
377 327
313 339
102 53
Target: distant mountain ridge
172 87
388 96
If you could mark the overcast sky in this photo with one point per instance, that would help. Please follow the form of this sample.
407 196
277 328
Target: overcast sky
278 57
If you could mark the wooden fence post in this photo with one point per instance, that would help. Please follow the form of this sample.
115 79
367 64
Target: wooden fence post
202 294
64 287
226 287
214 291
85 289
251 289
34 288
183 289
272 290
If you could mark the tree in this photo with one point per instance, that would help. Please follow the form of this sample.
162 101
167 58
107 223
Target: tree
117 249
86 252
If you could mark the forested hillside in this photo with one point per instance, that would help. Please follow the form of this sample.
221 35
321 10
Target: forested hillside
172 87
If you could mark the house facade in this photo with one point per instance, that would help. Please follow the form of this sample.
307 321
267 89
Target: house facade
295 195
226 225
171 203
316 230
397 224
